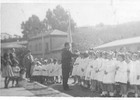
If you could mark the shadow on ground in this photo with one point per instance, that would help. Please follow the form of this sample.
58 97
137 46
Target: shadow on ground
77 91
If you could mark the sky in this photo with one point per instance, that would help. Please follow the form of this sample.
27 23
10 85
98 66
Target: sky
84 12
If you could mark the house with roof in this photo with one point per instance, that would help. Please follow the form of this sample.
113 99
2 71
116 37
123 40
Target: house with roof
129 44
48 44
5 36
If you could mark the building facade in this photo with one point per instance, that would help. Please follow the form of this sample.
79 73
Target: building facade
48 44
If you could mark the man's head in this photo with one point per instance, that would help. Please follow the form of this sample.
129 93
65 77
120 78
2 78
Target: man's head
67 45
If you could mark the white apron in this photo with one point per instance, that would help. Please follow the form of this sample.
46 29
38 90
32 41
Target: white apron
75 66
79 71
50 69
93 70
37 71
88 70
121 74
45 70
101 66
84 67
134 76
110 69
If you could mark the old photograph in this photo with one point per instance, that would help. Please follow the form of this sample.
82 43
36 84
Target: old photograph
70 48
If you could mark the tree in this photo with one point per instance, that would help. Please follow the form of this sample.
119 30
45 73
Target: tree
32 26
56 19
59 19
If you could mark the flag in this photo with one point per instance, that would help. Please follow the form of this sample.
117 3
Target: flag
69 31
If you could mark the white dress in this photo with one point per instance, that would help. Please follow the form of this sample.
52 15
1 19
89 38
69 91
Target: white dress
59 69
93 70
79 71
134 76
84 67
122 73
53 70
50 69
110 69
75 66
101 66
37 70
45 71
88 70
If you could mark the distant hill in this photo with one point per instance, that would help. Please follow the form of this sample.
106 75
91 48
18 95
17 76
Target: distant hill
91 36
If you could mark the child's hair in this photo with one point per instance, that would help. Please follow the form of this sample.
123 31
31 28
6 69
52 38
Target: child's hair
122 56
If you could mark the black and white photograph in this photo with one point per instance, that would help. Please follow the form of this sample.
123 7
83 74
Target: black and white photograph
70 48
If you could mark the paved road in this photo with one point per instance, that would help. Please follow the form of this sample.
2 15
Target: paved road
16 91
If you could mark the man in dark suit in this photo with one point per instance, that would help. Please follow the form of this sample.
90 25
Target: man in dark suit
66 64
27 62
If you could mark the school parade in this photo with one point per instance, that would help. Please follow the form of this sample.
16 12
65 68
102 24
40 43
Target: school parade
70 49
108 73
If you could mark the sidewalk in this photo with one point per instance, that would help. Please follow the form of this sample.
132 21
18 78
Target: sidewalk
30 89
13 91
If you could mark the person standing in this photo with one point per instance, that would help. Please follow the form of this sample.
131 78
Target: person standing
27 62
7 72
66 64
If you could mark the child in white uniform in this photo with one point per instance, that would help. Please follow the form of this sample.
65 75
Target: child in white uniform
121 76
88 70
79 74
109 76
101 73
75 69
98 75
134 76
83 69
93 73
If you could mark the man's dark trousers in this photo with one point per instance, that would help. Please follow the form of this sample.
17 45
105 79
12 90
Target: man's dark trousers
65 74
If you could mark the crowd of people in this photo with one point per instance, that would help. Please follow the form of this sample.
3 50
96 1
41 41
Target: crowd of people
46 71
106 72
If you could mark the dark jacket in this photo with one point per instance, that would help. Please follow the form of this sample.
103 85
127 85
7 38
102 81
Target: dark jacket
67 57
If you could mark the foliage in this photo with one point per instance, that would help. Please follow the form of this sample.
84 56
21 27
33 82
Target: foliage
59 19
